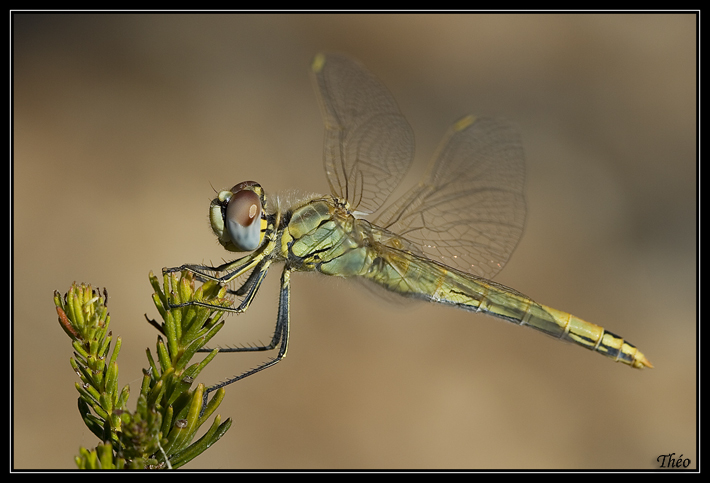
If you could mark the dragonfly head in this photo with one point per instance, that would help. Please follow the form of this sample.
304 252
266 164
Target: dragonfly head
238 217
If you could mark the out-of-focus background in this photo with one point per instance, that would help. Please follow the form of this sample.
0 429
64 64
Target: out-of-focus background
123 124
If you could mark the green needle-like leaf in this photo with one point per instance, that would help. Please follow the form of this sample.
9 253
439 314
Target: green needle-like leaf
167 414
215 432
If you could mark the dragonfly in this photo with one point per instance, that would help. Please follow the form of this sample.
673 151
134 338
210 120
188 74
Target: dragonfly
441 242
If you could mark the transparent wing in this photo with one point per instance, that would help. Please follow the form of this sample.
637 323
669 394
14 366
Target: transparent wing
469 210
368 144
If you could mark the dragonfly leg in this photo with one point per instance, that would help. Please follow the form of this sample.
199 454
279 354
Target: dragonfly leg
250 288
280 336
247 287
234 268
253 288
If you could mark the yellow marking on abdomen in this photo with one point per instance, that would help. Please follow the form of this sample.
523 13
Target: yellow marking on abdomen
598 339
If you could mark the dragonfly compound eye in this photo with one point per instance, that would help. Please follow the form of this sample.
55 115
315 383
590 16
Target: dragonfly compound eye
243 220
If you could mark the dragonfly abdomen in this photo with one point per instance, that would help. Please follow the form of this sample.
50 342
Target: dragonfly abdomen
419 277
521 310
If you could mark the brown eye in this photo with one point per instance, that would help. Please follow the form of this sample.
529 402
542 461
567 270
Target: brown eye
243 209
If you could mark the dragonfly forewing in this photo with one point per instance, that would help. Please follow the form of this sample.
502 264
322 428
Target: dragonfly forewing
368 144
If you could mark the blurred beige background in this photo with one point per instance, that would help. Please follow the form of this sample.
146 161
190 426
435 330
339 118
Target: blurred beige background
123 123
